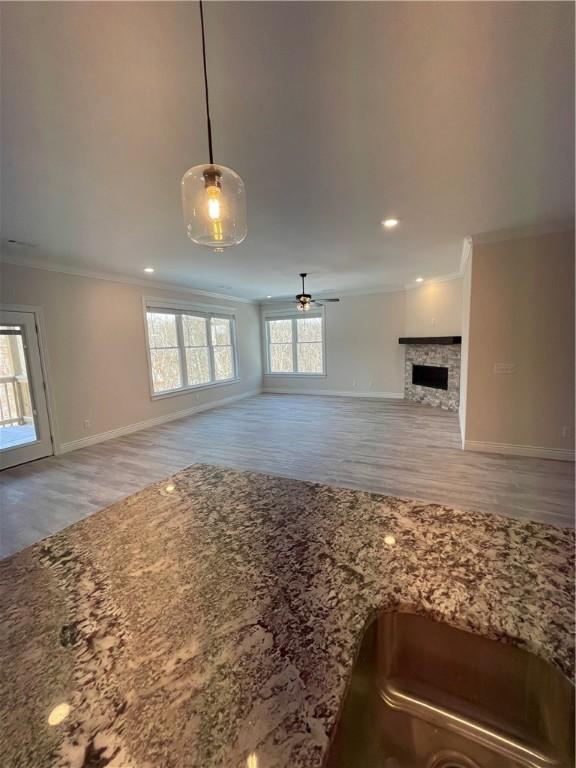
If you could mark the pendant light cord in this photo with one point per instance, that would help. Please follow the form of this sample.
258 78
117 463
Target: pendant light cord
209 124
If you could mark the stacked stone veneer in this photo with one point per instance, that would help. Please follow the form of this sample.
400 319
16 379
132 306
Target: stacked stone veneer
447 355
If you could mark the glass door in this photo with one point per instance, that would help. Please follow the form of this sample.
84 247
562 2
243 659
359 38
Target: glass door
24 423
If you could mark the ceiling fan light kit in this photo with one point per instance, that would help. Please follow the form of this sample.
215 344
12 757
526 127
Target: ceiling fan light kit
305 302
213 196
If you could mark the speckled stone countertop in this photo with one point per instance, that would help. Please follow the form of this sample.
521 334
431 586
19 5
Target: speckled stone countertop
213 618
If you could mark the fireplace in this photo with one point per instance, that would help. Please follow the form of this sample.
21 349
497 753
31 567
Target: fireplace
435 376
432 370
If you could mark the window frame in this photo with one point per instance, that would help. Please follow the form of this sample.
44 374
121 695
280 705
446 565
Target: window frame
294 316
205 311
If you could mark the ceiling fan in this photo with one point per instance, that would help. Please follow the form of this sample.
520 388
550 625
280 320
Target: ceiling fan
305 302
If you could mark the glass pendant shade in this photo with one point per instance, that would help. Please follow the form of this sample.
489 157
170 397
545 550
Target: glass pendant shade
214 206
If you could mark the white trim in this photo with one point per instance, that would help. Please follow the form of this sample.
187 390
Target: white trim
84 442
294 316
522 233
461 425
289 313
295 375
322 296
114 278
193 388
467 246
158 302
29 263
429 280
38 312
332 294
334 393
535 451
207 311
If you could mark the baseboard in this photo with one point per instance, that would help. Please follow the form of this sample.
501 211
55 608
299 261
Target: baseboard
462 439
334 393
535 451
101 437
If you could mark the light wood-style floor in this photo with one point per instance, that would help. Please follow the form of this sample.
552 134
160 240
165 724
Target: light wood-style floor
388 446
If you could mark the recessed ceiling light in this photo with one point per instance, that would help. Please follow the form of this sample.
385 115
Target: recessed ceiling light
419 279
149 269
390 223
268 297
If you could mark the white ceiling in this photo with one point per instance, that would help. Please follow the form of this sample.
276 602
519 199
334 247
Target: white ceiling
455 117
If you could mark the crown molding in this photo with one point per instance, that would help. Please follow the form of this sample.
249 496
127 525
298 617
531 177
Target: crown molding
467 247
117 278
366 292
429 280
320 296
521 233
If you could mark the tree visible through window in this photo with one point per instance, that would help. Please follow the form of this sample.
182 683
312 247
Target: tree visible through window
164 351
295 345
196 349
189 349
221 330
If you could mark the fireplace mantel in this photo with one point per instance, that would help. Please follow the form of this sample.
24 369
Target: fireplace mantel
430 340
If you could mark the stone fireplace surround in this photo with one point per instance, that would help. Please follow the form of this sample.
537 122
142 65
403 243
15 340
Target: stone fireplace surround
442 351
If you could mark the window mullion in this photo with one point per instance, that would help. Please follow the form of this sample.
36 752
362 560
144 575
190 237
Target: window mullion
210 348
234 343
268 348
181 350
295 345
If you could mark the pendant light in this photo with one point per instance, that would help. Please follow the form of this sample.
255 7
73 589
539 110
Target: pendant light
213 196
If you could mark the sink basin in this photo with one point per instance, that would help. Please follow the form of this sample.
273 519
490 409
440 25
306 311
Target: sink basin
426 695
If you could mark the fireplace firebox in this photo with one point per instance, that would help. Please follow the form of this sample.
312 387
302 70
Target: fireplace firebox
435 376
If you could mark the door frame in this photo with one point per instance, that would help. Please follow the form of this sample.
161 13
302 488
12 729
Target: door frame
40 321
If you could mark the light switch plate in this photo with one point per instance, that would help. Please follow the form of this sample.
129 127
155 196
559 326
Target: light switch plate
505 368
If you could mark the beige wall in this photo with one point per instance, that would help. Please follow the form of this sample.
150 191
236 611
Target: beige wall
522 313
362 351
434 309
97 349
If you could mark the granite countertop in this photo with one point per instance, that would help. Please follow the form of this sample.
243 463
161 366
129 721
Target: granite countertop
213 618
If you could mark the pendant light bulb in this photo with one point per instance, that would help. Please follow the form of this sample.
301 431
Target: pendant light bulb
213 196
214 203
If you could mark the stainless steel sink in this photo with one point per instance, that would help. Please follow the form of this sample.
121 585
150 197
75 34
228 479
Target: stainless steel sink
426 695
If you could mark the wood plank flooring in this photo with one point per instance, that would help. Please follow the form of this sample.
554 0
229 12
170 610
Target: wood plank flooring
388 446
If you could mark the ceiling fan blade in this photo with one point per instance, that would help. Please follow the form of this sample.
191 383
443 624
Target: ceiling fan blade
327 299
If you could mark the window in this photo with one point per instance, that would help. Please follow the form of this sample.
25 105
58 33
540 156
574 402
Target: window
295 345
189 349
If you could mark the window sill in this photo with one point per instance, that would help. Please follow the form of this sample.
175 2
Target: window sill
297 375
189 390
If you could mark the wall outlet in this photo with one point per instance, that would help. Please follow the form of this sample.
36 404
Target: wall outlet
196 397
87 424
505 368
354 383
567 430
